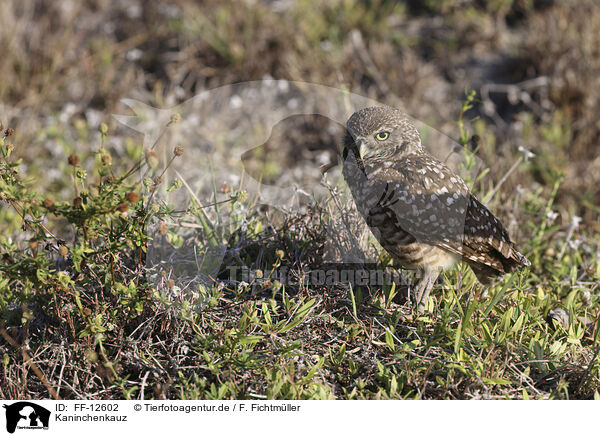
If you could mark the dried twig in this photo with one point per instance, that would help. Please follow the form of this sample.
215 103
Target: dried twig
28 360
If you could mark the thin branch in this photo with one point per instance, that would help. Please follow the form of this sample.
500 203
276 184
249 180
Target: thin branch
28 360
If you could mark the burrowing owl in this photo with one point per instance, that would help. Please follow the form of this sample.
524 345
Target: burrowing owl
421 212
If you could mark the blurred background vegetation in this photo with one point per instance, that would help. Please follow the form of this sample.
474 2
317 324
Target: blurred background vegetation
534 64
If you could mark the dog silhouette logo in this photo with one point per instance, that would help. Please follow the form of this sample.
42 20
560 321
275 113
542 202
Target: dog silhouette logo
26 415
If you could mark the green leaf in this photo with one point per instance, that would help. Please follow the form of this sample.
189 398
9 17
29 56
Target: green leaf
496 381
467 318
389 340
353 298
517 326
298 317
569 302
457 337
506 318
267 315
314 369
458 367
252 339
487 334
341 353
303 311
557 348
499 295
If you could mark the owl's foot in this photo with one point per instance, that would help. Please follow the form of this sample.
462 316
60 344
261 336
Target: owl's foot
423 289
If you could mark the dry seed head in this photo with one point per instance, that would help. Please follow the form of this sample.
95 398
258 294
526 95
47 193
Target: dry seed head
106 159
48 203
170 283
63 251
175 118
132 197
123 207
163 229
242 196
157 180
73 160
225 188
178 150
177 183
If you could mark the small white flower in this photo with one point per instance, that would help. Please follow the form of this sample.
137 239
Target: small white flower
235 101
551 216
134 54
527 154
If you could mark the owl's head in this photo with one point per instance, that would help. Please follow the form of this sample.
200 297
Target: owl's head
380 133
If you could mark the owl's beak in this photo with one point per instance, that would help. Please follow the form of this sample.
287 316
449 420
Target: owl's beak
362 149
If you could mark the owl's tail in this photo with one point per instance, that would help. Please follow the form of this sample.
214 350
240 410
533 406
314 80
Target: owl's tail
486 274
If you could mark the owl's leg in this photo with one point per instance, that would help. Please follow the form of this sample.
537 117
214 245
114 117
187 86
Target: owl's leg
424 288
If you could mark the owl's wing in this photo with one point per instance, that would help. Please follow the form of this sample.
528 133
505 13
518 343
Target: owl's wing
426 199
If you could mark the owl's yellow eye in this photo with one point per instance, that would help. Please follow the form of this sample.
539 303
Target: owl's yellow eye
382 136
